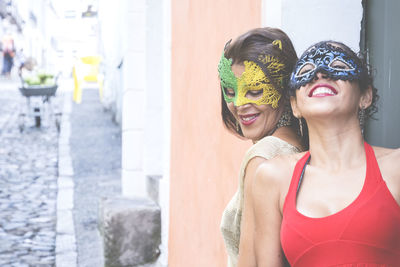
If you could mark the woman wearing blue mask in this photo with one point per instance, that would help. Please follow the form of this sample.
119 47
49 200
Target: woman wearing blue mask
338 203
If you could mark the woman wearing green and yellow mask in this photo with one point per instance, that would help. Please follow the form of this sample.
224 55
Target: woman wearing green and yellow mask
254 72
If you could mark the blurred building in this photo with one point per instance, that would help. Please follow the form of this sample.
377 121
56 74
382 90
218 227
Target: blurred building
28 22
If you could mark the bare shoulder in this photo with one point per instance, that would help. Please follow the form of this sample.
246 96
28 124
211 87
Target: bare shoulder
255 162
274 175
273 170
251 169
386 155
388 160
272 165
384 151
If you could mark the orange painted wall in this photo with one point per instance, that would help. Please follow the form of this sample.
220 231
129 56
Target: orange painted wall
205 157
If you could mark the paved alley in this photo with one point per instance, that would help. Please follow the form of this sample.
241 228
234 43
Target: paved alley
28 185
96 156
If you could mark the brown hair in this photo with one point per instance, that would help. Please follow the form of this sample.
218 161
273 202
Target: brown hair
250 46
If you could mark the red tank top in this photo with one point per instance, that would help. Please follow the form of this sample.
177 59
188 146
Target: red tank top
366 233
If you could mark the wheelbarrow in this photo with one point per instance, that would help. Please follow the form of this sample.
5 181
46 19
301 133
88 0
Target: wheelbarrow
38 105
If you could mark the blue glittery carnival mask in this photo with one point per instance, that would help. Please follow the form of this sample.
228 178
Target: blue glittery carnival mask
328 59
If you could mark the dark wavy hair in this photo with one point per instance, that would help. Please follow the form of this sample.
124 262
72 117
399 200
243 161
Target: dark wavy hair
366 77
250 46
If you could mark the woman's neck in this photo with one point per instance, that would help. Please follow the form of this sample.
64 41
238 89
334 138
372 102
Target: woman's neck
336 147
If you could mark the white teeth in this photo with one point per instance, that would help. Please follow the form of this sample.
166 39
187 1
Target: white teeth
248 118
323 90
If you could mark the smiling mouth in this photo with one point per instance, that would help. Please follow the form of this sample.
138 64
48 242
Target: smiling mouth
248 119
321 90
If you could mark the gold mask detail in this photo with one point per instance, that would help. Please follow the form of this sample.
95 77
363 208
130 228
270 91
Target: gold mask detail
255 87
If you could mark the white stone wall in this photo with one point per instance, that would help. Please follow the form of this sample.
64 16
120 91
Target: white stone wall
154 102
166 135
138 32
310 21
110 41
134 98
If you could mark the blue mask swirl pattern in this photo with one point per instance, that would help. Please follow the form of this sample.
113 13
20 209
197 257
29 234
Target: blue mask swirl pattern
322 58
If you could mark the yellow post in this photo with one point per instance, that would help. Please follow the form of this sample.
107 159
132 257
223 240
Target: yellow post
77 97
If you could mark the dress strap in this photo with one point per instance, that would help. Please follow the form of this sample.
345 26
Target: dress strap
297 173
302 174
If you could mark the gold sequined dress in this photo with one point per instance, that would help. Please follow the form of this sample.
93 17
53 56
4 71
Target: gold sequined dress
267 148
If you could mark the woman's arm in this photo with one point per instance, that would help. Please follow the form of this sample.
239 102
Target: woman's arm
246 247
266 199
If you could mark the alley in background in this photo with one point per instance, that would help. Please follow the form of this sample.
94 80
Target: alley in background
29 173
28 185
95 143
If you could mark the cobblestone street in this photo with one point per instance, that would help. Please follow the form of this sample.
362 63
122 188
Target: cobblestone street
28 185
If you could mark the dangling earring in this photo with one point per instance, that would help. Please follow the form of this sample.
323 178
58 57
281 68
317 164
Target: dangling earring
361 118
285 119
237 126
301 127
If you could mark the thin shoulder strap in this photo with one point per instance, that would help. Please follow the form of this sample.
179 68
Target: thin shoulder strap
302 174
297 173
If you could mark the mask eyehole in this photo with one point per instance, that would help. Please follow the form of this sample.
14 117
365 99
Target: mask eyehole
340 65
229 92
305 69
254 94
